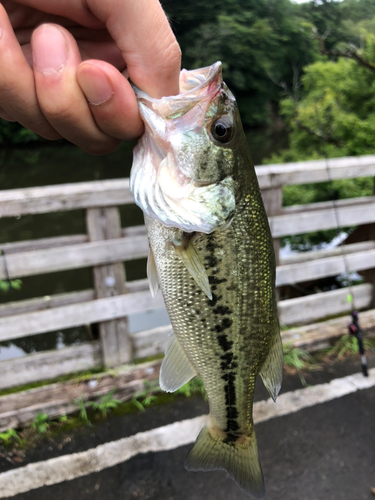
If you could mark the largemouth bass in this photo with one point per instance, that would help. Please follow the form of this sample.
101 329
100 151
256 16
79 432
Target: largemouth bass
211 253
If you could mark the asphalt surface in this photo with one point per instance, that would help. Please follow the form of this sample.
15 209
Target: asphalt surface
324 452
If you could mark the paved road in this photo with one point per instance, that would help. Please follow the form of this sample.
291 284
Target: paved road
324 452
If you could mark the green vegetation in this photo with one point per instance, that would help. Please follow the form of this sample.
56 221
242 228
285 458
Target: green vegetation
9 437
41 423
5 286
265 47
346 346
296 360
105 403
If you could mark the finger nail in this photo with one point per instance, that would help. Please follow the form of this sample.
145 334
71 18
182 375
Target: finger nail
96 86
50 49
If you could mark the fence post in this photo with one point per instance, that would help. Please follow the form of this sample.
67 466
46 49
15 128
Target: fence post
273 203
110 280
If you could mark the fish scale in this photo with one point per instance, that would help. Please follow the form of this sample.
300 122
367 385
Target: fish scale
217 278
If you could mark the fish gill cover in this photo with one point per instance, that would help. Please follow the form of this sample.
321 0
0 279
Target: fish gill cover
164 181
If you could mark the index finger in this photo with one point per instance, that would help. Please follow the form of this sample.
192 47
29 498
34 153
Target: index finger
141 31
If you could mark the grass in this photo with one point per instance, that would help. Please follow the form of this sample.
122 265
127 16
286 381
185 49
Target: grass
296 359
346 346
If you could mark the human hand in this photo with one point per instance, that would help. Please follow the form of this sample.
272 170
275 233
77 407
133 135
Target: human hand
45 86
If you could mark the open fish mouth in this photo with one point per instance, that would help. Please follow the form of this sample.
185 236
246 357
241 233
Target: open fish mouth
162 178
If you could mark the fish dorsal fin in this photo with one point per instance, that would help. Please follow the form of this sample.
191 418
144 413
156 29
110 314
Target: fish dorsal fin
272 369
176 370
194 265
152 275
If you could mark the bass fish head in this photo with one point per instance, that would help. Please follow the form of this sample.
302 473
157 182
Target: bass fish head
184 166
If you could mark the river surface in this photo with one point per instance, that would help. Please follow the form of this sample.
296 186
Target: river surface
60 164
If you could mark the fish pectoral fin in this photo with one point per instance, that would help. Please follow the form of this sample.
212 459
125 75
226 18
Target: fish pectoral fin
176 370
190 257
272 369
152 275
239 460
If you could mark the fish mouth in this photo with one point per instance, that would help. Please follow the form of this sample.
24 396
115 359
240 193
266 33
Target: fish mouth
162 187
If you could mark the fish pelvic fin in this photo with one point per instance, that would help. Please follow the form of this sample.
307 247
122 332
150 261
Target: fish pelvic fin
152 275
176 370
239 459
191 259
272 369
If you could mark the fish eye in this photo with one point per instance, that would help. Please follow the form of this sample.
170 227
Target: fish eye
222 130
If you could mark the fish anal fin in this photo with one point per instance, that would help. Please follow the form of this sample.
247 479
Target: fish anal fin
272 369
152 274
176 370
239 460
190 257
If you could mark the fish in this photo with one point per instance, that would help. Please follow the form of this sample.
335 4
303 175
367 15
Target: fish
212 256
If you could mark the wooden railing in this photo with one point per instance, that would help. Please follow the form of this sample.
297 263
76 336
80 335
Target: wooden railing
106 245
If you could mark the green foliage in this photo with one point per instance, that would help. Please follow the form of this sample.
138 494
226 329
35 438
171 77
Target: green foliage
261 43
41 423
82 410
346 346
5 286
298 359
105 403
144 398
12 133
192 387
9 437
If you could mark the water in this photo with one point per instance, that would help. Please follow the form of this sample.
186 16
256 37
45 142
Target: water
60 164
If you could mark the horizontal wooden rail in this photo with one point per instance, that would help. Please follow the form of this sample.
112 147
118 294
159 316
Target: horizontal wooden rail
50 364
296 258
285 174
89 254
304 310
57 198
16 202
290 222
83 313
321 268
61 299
87 356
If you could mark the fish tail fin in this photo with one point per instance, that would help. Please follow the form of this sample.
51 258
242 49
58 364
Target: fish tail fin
240 460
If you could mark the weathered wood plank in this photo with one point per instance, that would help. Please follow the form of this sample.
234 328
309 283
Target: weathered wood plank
318 336
58 399
50 364
271 176
151 342
61 299
16 202
43 243
83 313
321 268
35 262
298 223
311 308
38 200
329 252
273 203
59 241
109 281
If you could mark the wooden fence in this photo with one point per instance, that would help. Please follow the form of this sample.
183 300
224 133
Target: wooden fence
106 246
